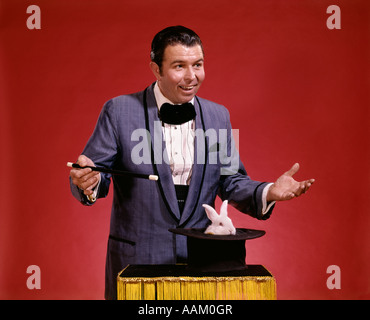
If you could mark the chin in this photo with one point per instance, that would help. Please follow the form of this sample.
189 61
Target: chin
186 97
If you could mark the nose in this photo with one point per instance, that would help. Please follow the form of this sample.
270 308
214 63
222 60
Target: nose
189 74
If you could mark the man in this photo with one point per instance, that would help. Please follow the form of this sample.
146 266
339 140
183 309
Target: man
193 168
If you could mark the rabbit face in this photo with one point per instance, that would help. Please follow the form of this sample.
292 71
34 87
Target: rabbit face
221 223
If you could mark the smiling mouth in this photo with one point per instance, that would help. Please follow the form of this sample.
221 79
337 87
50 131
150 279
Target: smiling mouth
187 88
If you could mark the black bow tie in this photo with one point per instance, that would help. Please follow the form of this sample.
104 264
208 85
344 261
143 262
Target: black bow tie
177 114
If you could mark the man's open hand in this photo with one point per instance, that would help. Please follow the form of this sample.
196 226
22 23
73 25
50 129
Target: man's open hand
286 188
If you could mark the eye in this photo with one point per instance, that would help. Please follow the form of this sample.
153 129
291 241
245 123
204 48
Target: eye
198 65
221 224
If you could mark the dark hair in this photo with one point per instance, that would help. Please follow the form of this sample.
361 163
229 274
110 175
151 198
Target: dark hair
171 36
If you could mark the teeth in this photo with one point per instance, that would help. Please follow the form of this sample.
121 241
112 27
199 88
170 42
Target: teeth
187 88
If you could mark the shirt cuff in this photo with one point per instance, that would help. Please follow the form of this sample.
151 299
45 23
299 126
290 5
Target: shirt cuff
266 206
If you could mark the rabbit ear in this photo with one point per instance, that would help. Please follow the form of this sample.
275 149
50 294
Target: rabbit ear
211 213
223 210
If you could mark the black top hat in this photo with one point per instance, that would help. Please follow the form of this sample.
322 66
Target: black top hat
217 253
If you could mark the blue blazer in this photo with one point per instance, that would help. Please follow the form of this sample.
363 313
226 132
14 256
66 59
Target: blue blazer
127 137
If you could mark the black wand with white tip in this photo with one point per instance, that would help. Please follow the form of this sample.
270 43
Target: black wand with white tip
115 172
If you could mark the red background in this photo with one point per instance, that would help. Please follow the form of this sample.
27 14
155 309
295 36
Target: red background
297 91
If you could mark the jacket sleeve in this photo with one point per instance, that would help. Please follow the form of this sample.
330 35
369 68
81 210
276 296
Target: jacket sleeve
102 149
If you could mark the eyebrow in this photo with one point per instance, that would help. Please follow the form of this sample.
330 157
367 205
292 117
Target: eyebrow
182 61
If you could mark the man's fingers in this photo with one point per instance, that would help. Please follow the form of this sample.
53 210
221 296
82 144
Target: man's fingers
304 186
89 176
293 170
81 176
84 178
288 196
81 173
301 190
88 184
84 161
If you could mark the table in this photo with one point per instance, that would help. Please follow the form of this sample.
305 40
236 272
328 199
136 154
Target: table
179 282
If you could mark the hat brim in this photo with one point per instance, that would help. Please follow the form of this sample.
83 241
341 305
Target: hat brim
198 233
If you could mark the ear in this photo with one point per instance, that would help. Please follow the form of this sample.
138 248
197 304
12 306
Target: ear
223 210
155 69
211 213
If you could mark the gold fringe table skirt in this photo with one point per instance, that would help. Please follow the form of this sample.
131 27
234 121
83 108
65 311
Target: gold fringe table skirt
174 282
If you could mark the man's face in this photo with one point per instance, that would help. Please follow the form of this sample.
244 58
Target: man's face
182 72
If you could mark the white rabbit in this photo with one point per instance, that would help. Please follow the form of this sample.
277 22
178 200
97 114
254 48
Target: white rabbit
221 223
